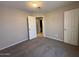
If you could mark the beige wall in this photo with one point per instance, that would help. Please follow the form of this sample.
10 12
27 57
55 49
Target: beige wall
54 22
13 26
37 14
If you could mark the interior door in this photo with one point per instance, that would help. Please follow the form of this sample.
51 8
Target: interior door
32 27
71 26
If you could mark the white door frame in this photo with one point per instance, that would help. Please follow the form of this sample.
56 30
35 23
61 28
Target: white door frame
43 26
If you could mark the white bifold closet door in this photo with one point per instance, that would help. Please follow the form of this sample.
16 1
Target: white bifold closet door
32 27
71 21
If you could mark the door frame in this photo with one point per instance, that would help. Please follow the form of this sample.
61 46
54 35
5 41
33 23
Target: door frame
27 28
43 26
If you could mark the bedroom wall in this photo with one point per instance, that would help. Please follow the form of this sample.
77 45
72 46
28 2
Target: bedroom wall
13 26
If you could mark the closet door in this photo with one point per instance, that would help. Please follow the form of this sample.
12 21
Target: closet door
71 18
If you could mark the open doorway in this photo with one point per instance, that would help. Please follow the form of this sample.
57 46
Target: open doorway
35 27
39 26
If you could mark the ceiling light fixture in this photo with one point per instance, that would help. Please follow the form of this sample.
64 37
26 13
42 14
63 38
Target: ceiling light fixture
34 5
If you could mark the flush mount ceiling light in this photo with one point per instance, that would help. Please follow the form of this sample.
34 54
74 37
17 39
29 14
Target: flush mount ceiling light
34 5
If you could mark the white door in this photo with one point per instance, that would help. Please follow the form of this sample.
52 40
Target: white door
32 27
71 18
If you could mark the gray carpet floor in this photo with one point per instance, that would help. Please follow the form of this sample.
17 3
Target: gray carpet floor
41 47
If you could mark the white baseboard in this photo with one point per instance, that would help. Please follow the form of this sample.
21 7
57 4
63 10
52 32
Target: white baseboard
12 44
54 38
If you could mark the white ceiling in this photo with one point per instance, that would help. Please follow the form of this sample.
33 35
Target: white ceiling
45 5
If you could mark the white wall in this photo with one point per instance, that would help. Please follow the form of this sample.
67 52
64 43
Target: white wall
54 22
37 14
13 26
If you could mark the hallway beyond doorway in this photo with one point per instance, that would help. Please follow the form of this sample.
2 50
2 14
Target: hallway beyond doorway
40 35
39 26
